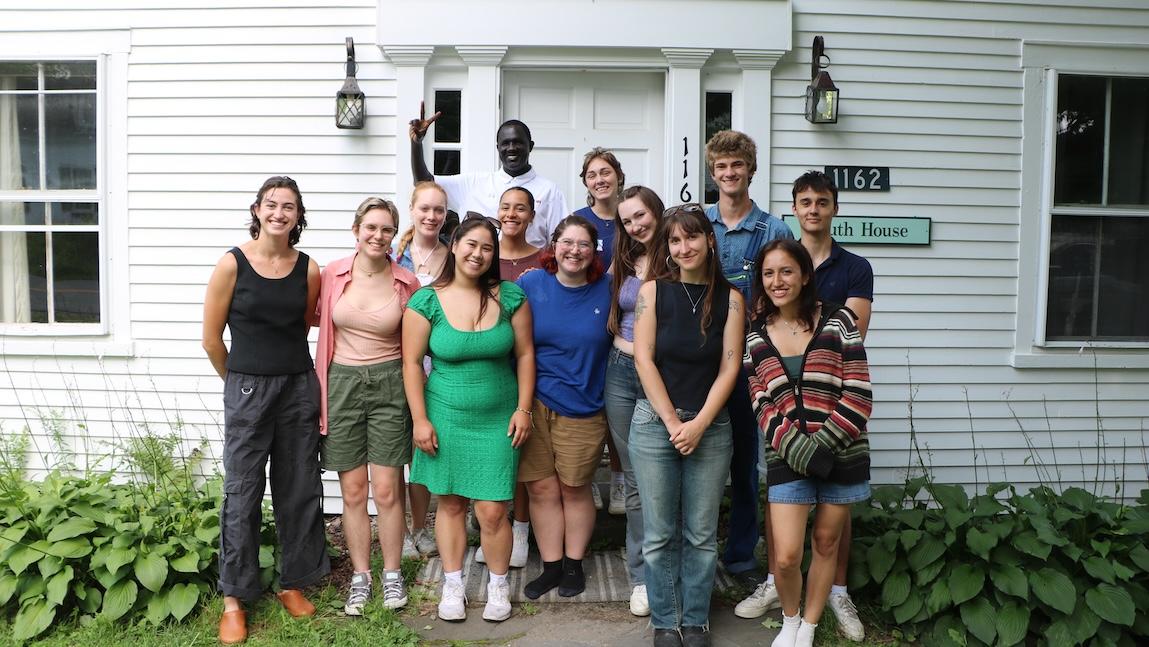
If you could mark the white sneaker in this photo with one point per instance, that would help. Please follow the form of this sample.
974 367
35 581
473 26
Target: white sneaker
498 606
596 495
788 636
479 556
764 598
849 625
409 549
519 546
424 540
617 498
639 604
453 603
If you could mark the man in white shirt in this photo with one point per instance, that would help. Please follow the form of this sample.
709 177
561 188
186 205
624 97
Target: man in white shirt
481 191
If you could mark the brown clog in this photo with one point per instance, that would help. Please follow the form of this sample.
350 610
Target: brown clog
233 627
295 603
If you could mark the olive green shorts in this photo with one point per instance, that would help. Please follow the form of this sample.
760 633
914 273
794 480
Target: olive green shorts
367 417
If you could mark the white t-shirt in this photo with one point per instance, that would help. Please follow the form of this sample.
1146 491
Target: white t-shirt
481 192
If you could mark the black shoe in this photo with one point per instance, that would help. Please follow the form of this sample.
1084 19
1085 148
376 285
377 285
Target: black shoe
695 637
574 581
667 638
551 576
748 580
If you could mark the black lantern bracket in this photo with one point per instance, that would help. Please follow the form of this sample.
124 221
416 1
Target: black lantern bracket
821 94
350 103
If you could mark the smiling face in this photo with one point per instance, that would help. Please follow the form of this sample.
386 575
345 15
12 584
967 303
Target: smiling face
515 213
815 211
782 278
374 233
574 251
690 249
514 148
278 211
600 180
732 175
474 252
428 211
638 220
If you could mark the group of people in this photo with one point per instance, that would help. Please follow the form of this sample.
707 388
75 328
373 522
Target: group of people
497 361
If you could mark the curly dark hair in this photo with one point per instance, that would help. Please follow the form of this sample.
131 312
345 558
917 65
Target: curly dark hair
278 182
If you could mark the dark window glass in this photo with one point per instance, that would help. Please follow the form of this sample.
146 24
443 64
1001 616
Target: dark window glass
1129 143
70 145
70 75
719 106
26 131
447 162
16 75
21 213
1080 139
76 276
448 127
36 278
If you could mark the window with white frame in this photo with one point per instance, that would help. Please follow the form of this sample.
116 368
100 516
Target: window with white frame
50 222
448 139
1098 285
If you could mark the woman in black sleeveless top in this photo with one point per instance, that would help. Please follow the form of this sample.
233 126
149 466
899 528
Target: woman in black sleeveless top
265 292
688 337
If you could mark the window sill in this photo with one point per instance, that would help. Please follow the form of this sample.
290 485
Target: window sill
1083 357
10 347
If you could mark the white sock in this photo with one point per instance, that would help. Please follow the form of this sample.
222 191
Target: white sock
837 589
789 631
617 478
769 578
453 576
521 525
805 637
498 579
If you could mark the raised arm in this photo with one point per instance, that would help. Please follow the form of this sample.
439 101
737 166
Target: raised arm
216 304
416 333
521 423
417 131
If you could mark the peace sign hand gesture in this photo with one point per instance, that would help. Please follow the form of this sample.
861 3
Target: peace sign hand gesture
419 126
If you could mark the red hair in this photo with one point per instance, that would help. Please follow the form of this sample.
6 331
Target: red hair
547 255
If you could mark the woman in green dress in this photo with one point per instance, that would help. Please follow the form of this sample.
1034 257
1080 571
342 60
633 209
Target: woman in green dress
474 411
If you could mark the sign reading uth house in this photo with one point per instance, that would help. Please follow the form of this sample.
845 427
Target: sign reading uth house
873 230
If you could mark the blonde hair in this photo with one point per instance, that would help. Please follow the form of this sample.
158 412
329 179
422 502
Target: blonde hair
409 235
376 203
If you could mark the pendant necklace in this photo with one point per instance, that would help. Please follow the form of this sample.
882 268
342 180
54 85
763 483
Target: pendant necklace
791 326
426 258
693 302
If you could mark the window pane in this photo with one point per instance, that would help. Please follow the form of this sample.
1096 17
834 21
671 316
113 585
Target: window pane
19 142
70 121
1123 287
1129 143
448 127
70 75
76 276
719 106
1080 139
23 295
1072 267
21 213
17 75
447 162
75 213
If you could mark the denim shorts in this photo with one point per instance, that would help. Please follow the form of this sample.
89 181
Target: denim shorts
810 491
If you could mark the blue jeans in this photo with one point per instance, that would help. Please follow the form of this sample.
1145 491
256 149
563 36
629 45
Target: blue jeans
742 535
675 488
620 393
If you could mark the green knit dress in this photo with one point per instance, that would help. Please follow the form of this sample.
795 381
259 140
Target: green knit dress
471 394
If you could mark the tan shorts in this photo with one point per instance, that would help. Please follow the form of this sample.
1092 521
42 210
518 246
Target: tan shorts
569 447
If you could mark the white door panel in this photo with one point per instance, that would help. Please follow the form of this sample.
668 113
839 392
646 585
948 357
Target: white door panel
570 113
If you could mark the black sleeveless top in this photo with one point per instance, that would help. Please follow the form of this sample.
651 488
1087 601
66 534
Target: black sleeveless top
268 321
687 362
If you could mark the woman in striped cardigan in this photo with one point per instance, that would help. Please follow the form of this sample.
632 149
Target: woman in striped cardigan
810 387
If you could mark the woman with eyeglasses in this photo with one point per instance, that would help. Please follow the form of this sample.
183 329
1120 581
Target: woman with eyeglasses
688 337
637 222
363 410
810 385
265 292
473 412
570 301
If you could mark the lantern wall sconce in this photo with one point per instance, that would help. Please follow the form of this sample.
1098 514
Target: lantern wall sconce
349 101
821 94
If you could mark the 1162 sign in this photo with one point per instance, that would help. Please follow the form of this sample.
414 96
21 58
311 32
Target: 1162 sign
860 178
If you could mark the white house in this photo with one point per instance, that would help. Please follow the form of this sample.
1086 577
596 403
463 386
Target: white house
133 137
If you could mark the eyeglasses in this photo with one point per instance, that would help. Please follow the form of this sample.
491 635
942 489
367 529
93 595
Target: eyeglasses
581 244
389 231
474 215
689 207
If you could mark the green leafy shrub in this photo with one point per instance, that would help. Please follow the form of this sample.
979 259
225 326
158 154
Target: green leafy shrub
1005 568
87 545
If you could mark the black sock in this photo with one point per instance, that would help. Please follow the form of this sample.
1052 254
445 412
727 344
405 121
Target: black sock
552 575
573 582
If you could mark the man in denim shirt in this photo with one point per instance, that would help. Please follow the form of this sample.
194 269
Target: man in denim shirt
741 229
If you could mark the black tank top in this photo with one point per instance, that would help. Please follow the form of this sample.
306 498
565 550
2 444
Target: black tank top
268 321
687 362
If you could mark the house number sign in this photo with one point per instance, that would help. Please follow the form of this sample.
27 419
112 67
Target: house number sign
860 178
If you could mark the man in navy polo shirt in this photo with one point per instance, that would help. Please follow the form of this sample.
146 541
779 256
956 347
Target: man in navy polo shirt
846 278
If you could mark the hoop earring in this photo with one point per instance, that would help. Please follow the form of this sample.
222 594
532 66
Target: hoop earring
670 263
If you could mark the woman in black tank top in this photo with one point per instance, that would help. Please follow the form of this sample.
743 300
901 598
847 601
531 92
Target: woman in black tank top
688 337
265 292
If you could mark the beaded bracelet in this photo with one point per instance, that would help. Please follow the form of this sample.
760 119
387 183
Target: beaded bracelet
529 413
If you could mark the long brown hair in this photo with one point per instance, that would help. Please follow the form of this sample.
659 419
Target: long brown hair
606 155
762 308
627 249
488 280
691 219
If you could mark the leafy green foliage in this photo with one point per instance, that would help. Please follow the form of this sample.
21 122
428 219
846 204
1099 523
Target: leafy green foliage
1004 568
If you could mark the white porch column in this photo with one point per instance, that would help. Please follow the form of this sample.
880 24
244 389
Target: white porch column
756 113
684 148
410 75
481 109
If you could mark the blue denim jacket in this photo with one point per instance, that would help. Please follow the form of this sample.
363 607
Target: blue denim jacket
734 244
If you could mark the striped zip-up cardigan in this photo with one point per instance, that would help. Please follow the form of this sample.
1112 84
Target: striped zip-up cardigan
817 426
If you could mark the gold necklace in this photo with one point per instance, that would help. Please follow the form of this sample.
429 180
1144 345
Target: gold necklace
792 326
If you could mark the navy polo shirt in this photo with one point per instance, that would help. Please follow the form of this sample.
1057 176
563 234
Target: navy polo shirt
844 275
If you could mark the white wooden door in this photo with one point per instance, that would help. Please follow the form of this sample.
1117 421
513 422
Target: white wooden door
571 112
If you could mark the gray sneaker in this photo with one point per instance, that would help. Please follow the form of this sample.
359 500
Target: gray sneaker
410 551
358 595
394 592
424 540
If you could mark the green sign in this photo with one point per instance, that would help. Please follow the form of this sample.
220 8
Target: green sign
873 230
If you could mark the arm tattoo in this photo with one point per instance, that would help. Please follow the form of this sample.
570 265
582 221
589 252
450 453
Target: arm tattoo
639 307
729 354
